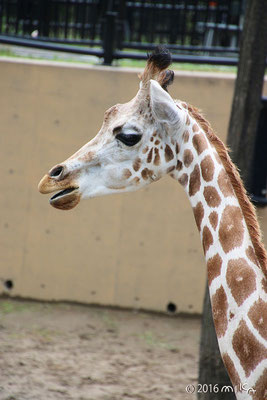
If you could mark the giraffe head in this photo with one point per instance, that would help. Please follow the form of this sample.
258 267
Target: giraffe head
134 147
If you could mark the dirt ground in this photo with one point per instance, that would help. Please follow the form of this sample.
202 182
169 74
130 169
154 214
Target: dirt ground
62 351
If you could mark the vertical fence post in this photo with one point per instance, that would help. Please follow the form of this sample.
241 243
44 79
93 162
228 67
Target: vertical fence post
120 28
109 25
1 15
44 18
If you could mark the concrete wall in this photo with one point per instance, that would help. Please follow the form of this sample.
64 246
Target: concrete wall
132 250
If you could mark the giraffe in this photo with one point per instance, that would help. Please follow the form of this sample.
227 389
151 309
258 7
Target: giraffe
152 136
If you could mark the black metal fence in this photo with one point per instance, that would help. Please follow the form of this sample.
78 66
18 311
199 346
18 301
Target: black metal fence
202 31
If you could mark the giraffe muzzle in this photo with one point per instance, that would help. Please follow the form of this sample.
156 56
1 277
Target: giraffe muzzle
66 199
68 194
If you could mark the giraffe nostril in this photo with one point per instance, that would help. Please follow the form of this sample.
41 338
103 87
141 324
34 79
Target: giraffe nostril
56 172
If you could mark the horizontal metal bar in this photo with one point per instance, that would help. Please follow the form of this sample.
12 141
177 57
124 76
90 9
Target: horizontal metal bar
117 54
151 46
172 7
50 46
183 58
56 40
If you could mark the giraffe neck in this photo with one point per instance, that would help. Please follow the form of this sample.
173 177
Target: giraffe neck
237 284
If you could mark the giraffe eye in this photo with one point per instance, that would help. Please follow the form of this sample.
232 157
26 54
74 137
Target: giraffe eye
129 139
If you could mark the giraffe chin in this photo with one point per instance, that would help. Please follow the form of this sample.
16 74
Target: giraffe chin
66 201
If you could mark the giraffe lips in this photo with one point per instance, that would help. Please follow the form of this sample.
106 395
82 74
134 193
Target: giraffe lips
68 193
66 199
62 193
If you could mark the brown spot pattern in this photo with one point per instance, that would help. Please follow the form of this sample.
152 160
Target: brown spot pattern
136 179
207 239
198 214
212 196
260 387
85 157
157 142
200 143
187 120
195 128
258 316
214 265
137 164
248 349
186 136
127 173
183 180
145 149
207 168
225 184
188 157
231 229
146 173
231 315
213 217
150 155
229 365
219 310
241 279
194 183
157 157
177 148
168 153
179 165
170 169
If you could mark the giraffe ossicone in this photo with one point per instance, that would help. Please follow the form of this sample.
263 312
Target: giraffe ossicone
152 136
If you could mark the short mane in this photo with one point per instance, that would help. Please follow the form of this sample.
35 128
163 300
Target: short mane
247 208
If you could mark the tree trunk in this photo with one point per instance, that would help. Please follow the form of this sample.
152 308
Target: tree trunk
241 139
248 89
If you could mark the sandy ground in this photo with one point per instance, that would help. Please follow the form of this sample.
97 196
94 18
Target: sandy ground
62 351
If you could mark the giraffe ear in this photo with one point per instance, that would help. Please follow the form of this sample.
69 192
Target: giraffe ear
162 105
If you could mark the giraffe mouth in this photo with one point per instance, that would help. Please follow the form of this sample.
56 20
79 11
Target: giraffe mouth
63 193
66 199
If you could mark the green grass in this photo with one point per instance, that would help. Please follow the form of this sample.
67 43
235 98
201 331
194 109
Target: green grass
180 66
110 324
7 307
7 53
126 62
152 341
